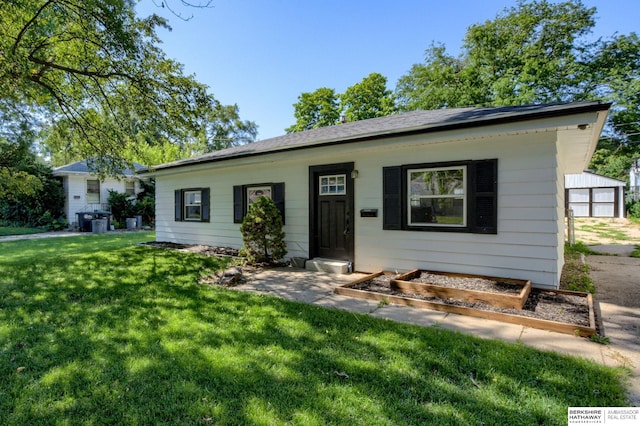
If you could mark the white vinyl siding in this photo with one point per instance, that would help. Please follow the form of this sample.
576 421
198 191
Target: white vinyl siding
525 246
221 231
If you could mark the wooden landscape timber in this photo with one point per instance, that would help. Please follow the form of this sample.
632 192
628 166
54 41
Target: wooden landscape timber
542 324
403 284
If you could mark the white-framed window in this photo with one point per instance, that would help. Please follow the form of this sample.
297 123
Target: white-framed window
193 205
130 187
93 191
437 196
333 184
255 192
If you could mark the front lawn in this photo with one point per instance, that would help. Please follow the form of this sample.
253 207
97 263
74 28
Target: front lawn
99 330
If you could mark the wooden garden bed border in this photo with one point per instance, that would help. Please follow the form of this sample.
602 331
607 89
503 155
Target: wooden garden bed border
541 324
404 284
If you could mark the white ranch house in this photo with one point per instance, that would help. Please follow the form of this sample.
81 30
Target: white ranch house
469 190
85 192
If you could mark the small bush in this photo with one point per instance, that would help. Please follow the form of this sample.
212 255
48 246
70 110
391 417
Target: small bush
634 209
122 205
262 232
146 202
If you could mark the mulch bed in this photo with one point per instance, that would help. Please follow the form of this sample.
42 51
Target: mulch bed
195 248
540 304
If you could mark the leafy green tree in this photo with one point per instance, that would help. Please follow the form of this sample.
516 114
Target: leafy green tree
441 82
262 232
538 52
92 74
225 129
368 99
531 53
316 109
16 159
534 52
29 194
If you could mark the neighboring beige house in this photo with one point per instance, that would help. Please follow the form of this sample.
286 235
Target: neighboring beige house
86 193
468 190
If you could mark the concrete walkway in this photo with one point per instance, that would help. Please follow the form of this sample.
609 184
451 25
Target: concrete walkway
317 288
42 235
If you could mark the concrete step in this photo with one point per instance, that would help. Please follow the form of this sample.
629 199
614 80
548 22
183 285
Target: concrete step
331 266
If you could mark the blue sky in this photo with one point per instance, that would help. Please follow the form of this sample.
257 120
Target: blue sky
263 54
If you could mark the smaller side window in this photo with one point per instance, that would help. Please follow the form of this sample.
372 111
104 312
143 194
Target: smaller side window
93 191
130 187
192 205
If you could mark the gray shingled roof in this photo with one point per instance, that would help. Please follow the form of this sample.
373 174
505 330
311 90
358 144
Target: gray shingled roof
393 125
83 166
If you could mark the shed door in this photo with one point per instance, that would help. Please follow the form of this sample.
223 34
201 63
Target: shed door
331 211
593 202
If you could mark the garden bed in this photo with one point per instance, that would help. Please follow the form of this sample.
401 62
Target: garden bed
554 310
498 292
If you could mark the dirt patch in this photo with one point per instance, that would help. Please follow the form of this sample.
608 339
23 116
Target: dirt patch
592 231
540 304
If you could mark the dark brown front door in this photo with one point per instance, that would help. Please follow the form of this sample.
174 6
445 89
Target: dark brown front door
331 211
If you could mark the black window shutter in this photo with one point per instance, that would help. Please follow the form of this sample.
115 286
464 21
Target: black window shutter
206 203
278 198
178 205
392 198
484 196
238 204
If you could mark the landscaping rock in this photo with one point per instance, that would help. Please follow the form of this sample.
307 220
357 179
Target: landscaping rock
231 276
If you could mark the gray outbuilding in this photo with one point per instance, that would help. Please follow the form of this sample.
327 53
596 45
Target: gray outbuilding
591 195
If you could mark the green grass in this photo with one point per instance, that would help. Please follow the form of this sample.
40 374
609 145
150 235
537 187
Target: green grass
98 330
14 230
576 274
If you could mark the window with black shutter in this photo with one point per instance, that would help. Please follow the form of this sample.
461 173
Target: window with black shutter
245 195
456 196
192 205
